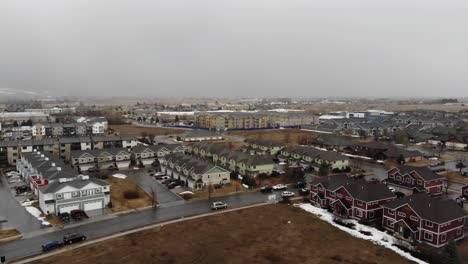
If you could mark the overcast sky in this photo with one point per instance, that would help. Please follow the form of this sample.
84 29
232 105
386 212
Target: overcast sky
165 48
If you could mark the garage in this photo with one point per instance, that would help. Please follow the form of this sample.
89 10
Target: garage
92 205
66 208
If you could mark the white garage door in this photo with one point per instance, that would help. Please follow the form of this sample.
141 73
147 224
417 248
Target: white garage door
93 205
68 207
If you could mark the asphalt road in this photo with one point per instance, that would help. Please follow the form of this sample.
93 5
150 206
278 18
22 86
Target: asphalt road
15 214
148 184
32 245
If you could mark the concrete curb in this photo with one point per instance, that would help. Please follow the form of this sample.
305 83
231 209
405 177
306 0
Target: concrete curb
131 231
11 238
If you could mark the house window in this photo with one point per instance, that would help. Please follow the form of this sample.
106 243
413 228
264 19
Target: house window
371 214
459 231
358 202
427 236
75 194
390 222
391 177
339 195
59 196
408 180
420 182
443 237
401 214
84 193
429 224
466 191
349 199
414 218
398 178
97 191
359 213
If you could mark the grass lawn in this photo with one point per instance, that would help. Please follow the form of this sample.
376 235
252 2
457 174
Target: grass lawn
8 233
267 234
455 176
286 136
119 187
131 130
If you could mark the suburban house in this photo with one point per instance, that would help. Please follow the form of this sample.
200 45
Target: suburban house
262 147
333 142
100 158
381 151
424 219
195 173
11 150
59 187
349 197
410 179
313 157
148 154
199 135
67 194
233 160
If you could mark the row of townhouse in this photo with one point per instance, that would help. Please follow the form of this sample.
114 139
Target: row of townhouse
262 146
49 130
59 187
199 135
196 173
121 157
382 151
233 160
414 218
410 179
62 147
243 120
312 157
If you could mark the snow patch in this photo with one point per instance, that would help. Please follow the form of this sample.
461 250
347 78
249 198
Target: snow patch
245 185
120 176
37 213
377 237
28 203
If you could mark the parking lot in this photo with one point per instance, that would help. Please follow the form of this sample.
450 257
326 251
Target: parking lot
13 214
143 179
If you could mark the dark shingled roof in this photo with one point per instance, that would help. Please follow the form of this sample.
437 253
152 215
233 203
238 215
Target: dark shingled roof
77 183
425 173
432 209
357 188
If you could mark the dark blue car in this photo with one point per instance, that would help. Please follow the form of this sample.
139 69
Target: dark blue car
51 245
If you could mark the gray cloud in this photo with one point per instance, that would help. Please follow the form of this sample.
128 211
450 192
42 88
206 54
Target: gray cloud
235 47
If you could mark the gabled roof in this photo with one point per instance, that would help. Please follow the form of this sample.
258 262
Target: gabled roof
77 184
428 208
199 133
424 172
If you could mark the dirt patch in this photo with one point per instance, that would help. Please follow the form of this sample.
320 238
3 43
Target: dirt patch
286 136
455 176
9 233
268 234
233 187
130 130
119 187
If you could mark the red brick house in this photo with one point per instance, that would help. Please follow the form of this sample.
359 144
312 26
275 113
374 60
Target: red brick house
409 180
422 218
350 198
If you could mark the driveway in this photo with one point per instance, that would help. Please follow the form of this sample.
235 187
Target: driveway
14 215
148 183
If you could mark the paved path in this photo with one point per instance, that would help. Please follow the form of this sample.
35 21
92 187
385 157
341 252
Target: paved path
15 214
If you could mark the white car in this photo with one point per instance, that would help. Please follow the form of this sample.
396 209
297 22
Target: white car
392 189
159 174
287 194
279 187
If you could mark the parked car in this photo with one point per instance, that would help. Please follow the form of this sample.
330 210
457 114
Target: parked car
287 194
304 191
392 189
78 214
278 187
65 217
22 189
166 181
266 189
172 185
300 184
73 238
113 168
218 205
51 245
159 174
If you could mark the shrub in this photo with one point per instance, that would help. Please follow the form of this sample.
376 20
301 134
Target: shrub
250 181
